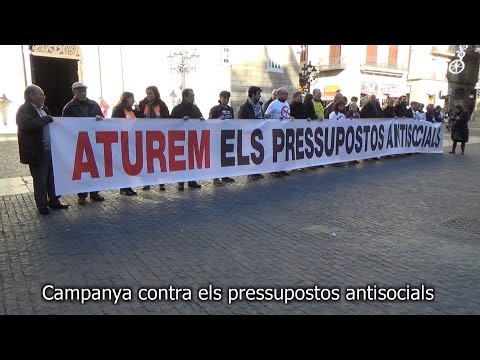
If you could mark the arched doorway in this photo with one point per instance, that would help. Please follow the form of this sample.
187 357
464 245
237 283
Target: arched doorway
54 68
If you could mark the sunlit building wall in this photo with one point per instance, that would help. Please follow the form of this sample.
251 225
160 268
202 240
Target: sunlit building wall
427 77
108 70
360 70
218 67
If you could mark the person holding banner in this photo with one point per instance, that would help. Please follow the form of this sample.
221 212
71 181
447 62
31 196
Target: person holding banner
81 106
222 111
389 109
308 97
372 109
124 109
314 108
401 110
33 135
297 108
269 101
153 107
338 111
420 114
252 109
279 109
329 108
353 112
186 110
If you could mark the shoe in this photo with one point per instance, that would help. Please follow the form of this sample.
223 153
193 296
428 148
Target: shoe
162 187
452 152
194 184
228 179
44 210
97 197
128 192
146 187
58 206
181 187
276 174
256 176
81 201
284 173
462 153
217 182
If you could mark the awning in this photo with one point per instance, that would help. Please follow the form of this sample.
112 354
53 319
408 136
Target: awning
328 96
329 92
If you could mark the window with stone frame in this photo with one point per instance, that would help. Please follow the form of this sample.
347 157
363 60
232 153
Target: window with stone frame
274 58
225 55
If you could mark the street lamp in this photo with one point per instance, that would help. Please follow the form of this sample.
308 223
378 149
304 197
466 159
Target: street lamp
183 61
308 73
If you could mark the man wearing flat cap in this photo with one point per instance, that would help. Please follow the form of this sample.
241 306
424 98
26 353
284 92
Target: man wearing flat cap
81 106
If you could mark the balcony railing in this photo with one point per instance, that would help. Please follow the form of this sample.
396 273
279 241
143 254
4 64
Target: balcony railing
330 64
444 50
384 67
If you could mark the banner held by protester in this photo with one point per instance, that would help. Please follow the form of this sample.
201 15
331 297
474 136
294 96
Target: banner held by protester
114 153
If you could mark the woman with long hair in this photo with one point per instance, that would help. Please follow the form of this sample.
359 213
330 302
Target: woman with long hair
153 107
125 109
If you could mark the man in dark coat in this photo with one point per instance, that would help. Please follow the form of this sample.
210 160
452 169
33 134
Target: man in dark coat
297 109
371 109
252 109
401 108
81 106
186 110
274 97
34 148
222 111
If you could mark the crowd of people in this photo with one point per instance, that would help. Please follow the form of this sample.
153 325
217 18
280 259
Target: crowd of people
33 118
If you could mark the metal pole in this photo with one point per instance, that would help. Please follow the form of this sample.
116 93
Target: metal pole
24 66
121 65
100 70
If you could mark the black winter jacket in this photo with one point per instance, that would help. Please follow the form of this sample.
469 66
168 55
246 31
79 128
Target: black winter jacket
30 133
75 108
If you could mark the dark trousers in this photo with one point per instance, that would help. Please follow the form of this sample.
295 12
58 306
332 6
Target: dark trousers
43 181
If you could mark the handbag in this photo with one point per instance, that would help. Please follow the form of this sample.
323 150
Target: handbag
456 135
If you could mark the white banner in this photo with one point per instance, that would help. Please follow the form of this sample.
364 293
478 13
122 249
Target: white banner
91 155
